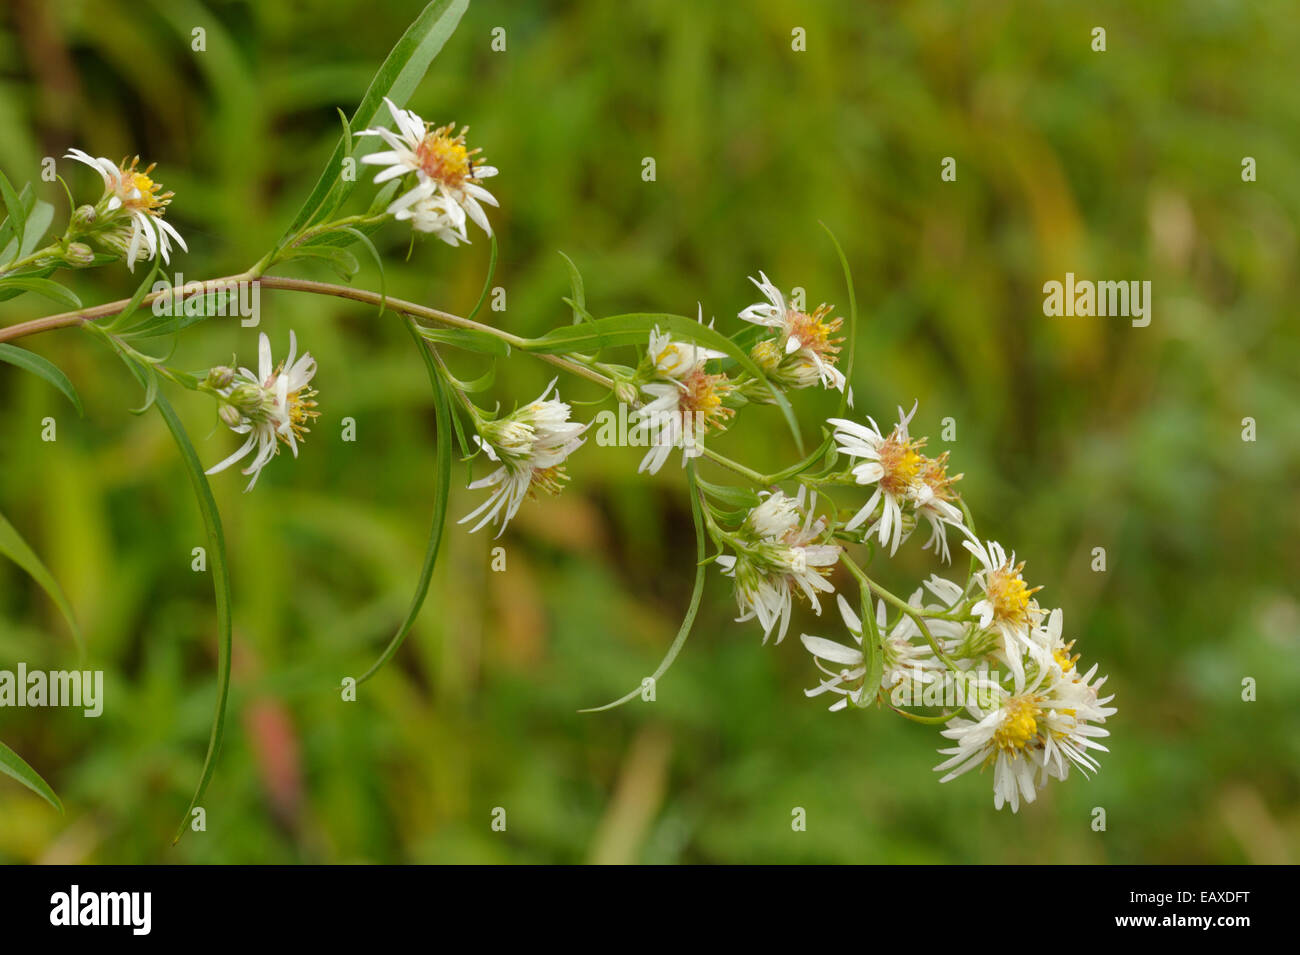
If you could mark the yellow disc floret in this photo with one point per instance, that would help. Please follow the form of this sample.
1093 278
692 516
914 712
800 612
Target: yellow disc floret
1019 724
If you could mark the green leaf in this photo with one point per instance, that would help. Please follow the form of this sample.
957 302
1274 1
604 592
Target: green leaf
853 320
14 206
578 292
487 281
44 287
632 329
379 263
16 549
44 368
697 592
38 223
741 497
469 339
397 79
441 493
11 764
342 261
122 318
219 568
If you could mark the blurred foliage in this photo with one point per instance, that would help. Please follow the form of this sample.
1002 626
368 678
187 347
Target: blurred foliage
1073 433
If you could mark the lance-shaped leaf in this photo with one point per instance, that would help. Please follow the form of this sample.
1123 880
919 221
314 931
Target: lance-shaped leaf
697 592
396 79
42 368
11 764
441 492
16 549
220 571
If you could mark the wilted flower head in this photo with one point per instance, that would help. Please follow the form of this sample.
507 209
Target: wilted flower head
128 219
447 175
686 400
779 550
1031 734
804 351
904 657
531 445
273 407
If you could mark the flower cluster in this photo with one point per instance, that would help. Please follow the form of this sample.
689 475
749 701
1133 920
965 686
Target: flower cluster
908 485
1022 705
128 219
780 550
273 406
531 445
444 175
802 352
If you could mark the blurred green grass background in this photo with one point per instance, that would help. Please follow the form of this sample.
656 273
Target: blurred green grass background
1072 433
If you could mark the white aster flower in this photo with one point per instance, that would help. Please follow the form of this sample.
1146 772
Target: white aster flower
902 657
685 400
769 570
130 190
438 216
1008 606
531 445
803 351
443 167
891 462
1030 735
273 406
932 498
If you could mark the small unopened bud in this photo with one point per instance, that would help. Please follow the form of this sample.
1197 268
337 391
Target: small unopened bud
230 415
220 377
767 355
249 400
625 392
83 218
79 255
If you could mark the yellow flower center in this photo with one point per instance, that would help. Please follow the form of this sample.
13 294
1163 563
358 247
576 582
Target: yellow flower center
138 191
901 463
302 411
1009 594
444 157
703 396
1019 725
934 474
814 331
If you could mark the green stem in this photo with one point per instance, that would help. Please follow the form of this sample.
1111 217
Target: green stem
900 605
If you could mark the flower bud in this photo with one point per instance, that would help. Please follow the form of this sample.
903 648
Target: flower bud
625 392
230 415
220 377
83 219
78 255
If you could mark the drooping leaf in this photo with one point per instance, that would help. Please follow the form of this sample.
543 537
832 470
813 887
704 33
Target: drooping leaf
469 339
576 290
14 207
43 287
219 568
441 493
697 592
396 79
853 320
13 546
487 279
43 368
11 764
